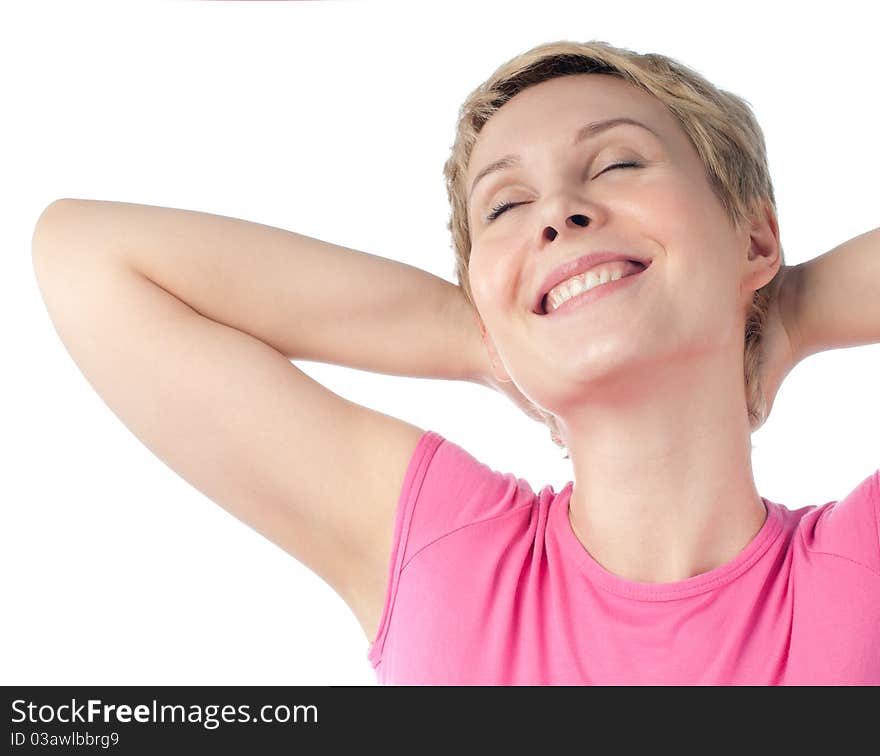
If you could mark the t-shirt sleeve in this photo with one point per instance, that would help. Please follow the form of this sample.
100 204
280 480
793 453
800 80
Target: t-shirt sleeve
850 527
444 489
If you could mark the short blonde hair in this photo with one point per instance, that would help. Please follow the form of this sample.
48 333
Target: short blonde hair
720 125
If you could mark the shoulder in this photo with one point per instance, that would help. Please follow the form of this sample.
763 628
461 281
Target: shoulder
455 515
848 527
448 488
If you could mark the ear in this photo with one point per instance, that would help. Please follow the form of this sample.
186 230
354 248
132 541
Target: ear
499 372
764 253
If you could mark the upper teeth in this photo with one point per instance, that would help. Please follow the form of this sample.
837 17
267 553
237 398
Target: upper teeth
595 276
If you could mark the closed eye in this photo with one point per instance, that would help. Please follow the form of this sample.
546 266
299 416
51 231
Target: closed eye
502 207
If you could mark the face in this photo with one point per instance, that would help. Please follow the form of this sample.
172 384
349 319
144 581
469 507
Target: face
687 304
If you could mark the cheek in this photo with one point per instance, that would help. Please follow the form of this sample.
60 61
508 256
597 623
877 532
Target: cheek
710 307
698 244
673 199
477 279
490 273
676 214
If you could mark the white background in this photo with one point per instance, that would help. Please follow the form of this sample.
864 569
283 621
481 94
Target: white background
333 119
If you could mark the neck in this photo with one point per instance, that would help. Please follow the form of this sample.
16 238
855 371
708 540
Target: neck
663 478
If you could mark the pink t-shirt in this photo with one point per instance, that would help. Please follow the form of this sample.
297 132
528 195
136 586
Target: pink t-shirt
488 585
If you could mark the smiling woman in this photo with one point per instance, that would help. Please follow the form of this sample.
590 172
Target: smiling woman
719 127
633 199
660 563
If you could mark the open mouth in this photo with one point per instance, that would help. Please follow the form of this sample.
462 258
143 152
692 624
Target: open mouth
587 283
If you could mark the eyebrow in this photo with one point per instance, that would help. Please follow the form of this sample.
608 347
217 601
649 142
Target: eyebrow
585 132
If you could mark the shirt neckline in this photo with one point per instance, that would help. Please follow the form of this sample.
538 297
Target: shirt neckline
642 591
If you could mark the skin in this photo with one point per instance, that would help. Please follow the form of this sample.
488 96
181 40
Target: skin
647 383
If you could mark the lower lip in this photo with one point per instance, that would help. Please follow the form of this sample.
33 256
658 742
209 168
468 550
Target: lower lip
594 294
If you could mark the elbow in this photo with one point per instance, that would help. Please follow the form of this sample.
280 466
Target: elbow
43 237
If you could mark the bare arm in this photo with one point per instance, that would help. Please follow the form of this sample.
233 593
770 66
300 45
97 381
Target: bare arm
324 302
185 324
837 304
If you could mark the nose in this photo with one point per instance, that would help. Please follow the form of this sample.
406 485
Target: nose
574 220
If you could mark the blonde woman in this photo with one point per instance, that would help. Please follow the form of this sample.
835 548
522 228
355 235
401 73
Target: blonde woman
621 279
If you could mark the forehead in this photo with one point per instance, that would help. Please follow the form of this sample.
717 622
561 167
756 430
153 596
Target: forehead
552 111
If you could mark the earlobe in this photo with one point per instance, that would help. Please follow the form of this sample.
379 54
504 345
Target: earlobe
765 233
764 244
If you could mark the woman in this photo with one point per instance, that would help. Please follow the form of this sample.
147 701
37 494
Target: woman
659 563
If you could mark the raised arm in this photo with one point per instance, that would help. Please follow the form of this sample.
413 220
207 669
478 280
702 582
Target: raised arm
185 323
322 302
